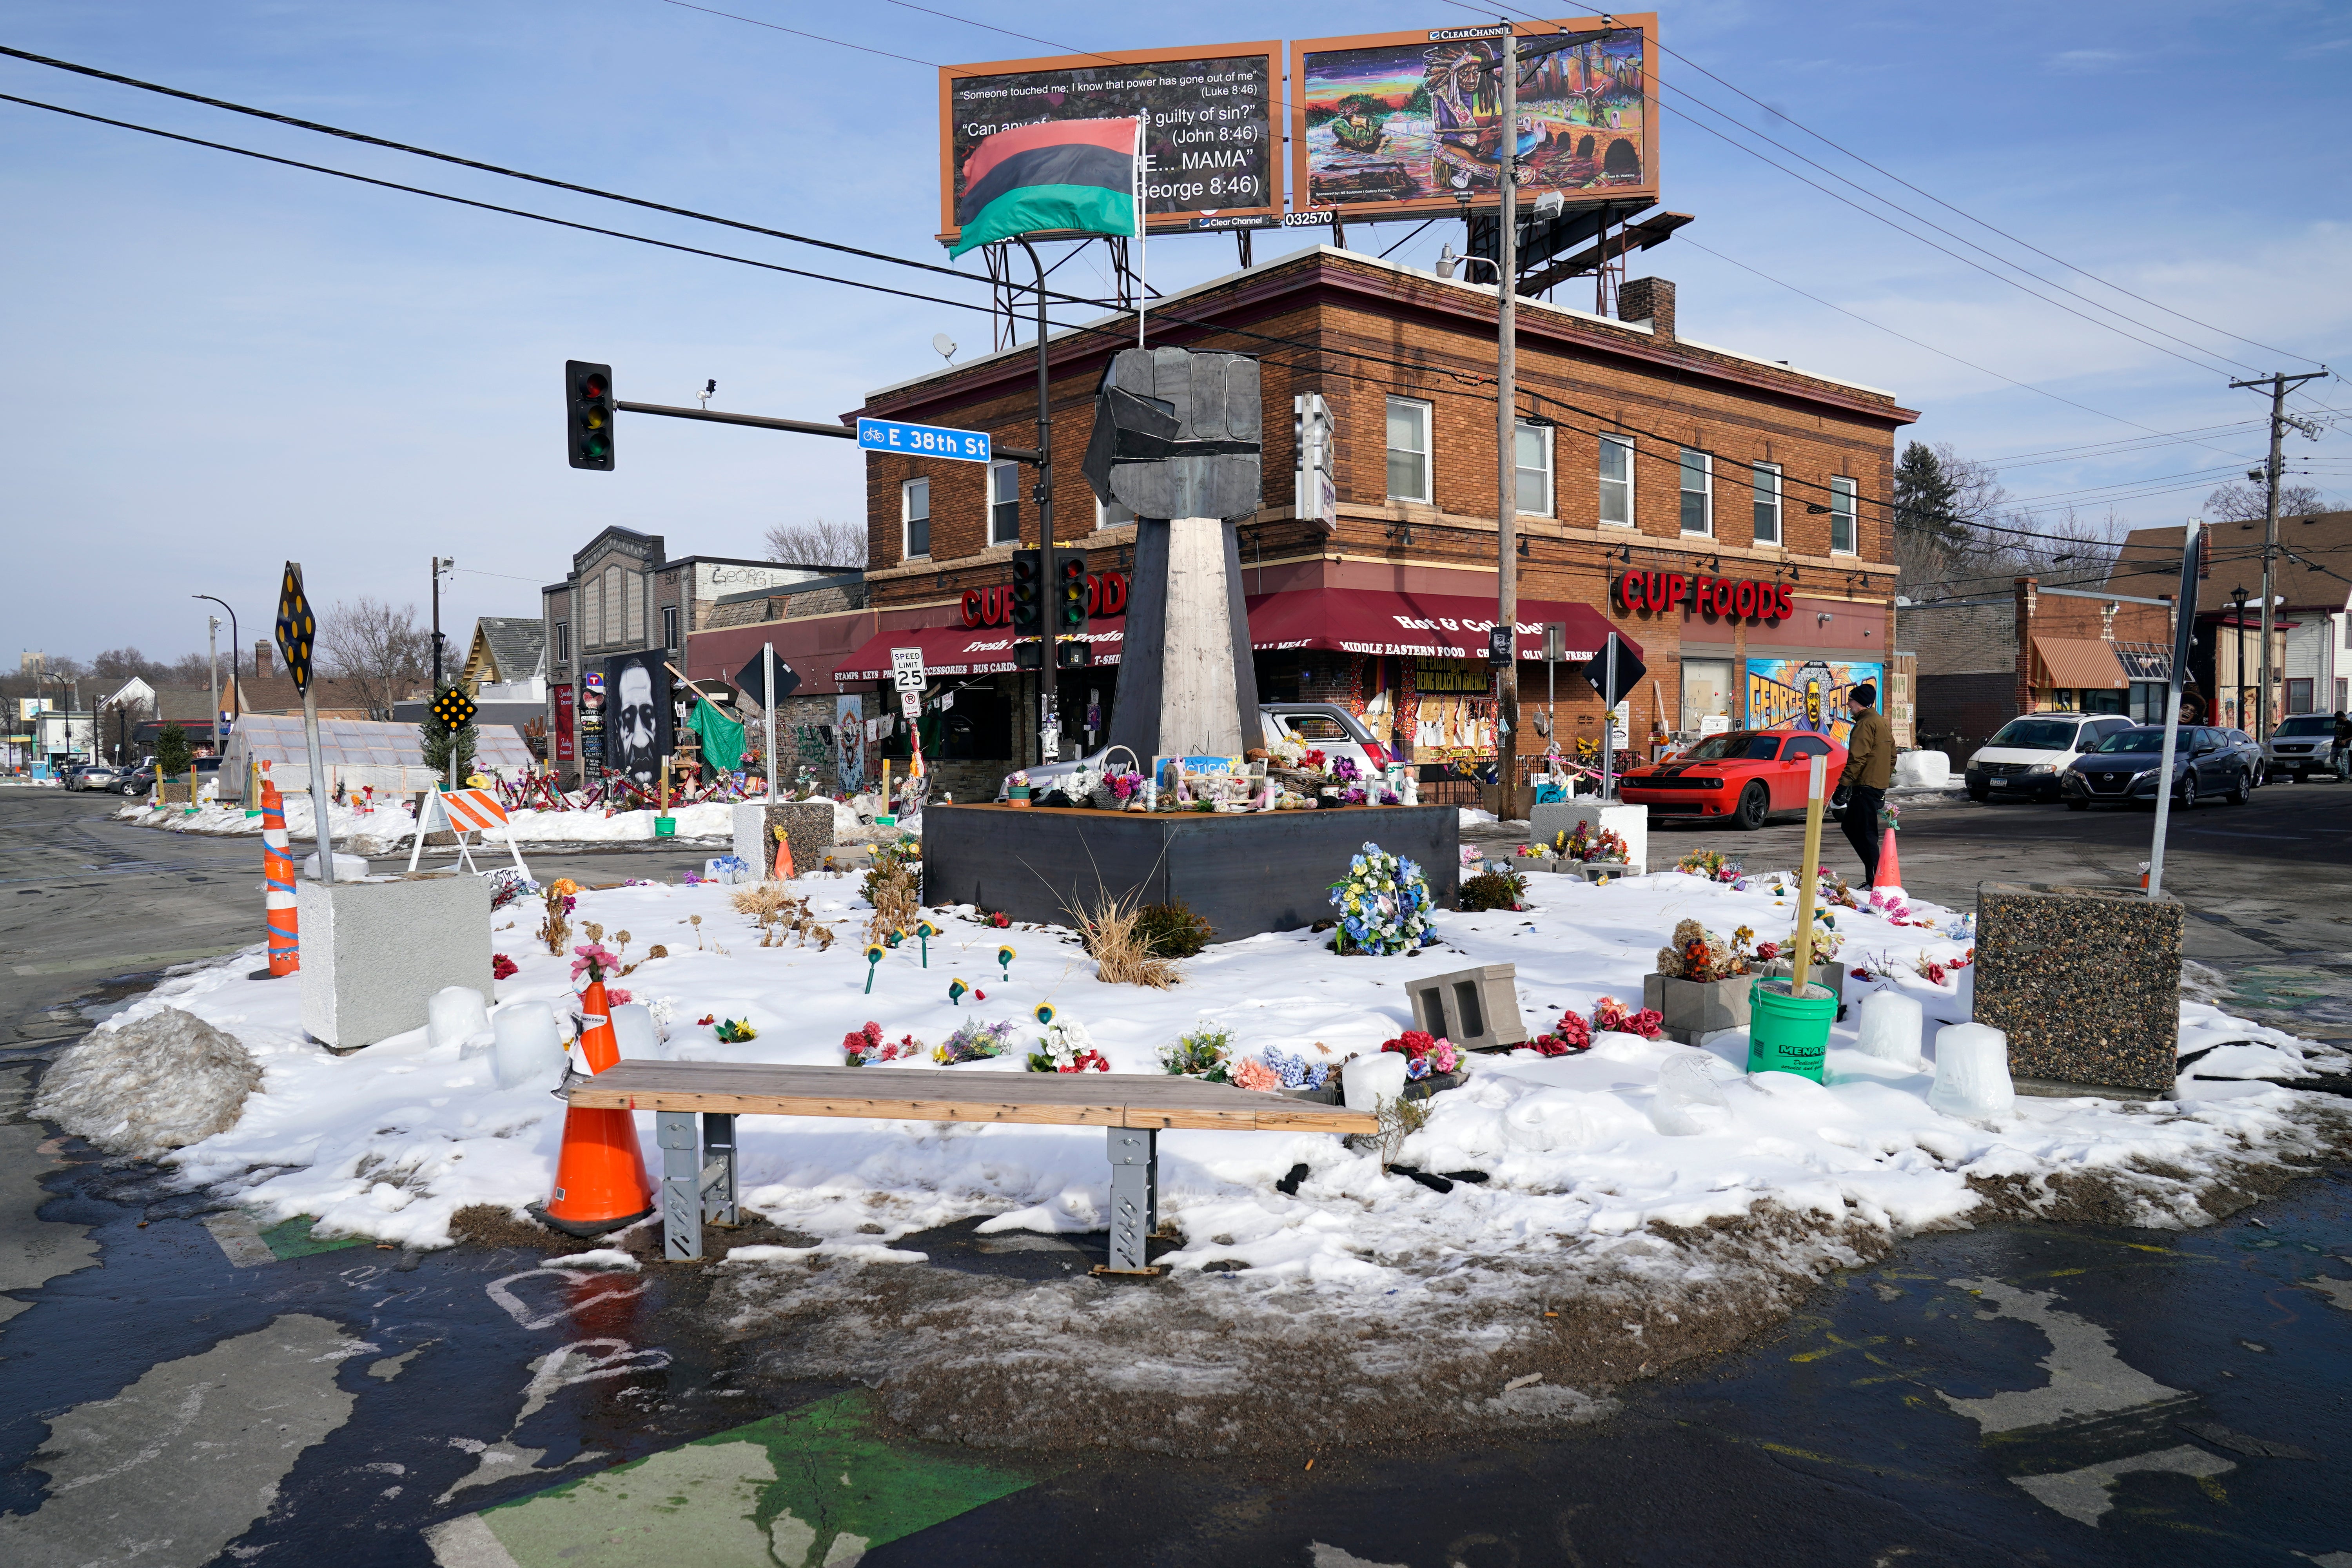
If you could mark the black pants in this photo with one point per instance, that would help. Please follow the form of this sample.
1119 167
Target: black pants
1861 824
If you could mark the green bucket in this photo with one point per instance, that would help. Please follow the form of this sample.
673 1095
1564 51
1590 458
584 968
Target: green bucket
1788 1033
664 827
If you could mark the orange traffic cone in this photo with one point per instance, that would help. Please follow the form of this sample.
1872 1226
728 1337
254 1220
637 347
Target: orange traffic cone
278 873
600 1179
783 857
1890 865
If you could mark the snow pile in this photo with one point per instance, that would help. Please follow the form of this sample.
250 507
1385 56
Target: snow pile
162 1082
1389 1292
388 828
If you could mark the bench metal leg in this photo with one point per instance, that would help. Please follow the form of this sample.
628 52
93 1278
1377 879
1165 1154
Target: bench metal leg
681 1184
1134 1198
719 1169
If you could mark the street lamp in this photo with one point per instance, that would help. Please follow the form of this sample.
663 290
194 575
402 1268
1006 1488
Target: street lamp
235 681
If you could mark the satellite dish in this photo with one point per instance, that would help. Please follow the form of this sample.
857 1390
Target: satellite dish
943 345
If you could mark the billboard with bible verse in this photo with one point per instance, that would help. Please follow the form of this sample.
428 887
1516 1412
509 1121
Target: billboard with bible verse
1386 123
1210 131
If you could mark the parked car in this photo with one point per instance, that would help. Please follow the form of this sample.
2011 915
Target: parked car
2302 745
2246 746
2030 753
96 776
142 780
1745 777
1320 726
2123 770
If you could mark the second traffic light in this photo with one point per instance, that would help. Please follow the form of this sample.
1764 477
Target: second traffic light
588 413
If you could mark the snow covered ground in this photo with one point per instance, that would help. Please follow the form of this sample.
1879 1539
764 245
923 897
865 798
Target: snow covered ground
386 829
1598 1246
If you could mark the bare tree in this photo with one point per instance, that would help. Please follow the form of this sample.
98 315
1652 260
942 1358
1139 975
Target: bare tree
2247 503
819 541
381 653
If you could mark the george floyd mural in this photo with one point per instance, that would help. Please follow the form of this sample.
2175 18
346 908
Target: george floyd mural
638 724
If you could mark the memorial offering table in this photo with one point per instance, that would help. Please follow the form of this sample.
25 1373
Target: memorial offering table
697 1180
1243 872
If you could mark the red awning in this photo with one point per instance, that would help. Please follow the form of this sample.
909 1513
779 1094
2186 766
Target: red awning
967 650
1416 626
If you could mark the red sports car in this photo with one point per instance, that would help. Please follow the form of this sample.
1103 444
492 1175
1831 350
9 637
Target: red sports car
1743 776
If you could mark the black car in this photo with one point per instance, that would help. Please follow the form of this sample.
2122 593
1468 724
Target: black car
2123 769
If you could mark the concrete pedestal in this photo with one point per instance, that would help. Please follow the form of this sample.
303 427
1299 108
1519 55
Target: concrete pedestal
1693 1009
2084 981
807 825
374 953
1630 823
1243 872
1186 685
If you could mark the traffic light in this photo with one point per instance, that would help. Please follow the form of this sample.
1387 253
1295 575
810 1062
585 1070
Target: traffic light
1028 594
1071 650
589 414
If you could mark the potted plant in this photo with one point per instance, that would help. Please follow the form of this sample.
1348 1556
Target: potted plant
1701 981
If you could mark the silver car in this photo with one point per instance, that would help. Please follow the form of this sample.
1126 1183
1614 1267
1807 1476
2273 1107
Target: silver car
2302 745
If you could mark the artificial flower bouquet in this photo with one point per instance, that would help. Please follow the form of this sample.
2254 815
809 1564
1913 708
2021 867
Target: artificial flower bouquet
1384 904
1712 865
976 1041
1612 1016
1066 1046
1425 1056
862 1045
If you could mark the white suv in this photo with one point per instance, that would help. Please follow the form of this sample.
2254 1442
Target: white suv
2032 754
2302 745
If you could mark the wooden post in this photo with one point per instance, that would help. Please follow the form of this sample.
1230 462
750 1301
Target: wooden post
665 787
1800 953
885 788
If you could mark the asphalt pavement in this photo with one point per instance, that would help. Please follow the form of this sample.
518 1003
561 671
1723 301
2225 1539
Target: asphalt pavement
187 1389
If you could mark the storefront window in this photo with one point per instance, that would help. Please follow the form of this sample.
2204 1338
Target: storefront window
1534 462
1617 480
1699 492
1707 692
1768 504
1842 535
1408 449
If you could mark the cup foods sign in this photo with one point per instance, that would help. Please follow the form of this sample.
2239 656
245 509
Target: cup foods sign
1741 598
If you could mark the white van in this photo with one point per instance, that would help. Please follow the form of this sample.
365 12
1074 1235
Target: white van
2031 755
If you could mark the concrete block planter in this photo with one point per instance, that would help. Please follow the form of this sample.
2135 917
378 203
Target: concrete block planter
374 953
1477 1009
1830 974
1693 1009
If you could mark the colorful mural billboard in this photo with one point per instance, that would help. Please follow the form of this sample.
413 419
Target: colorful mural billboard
1807 693
1403 121
1209 133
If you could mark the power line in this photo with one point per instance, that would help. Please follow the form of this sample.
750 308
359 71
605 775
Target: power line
797 33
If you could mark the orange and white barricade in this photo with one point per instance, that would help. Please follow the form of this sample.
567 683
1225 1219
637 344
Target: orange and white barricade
278 873
463 811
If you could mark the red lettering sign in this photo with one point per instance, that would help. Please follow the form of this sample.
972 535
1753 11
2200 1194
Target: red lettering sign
1745 598
1106 595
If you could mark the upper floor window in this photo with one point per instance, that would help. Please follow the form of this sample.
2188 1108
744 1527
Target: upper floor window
1112 514
915 515
1533 461
1408 449
591 620
1617 480
1005 503
1699 492
1842 503
669 628
563 642
1768 504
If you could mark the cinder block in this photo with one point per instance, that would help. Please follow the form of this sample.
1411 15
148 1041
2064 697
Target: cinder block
1630 823
374 953
1477 1009
1694 1009
2084 981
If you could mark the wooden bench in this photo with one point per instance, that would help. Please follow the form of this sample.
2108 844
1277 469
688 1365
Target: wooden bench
697 1180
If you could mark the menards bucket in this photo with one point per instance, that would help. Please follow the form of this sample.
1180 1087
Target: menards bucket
664 827
1789 1031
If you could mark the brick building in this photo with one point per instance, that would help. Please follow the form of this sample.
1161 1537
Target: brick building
1728 514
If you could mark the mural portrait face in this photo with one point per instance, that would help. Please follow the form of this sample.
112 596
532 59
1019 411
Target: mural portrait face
635 718
637 724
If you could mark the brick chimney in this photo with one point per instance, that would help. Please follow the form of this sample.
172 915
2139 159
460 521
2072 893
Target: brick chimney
261 657
1649 299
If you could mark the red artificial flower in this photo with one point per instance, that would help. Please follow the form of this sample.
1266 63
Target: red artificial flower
707 1020
1861 973
501 966
1413 1044
979 996
1000 919
1767 950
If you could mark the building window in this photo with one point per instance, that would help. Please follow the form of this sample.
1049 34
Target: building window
1112 514
1533 460
1768 504
2298 694
1841 495
1408 450
1699 492
1617 480
591 625
633 589
563 642
669 628
1005 503
915 513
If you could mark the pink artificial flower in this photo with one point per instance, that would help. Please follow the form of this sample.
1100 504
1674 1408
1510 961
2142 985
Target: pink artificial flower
1445 1058
616 996
1255 1074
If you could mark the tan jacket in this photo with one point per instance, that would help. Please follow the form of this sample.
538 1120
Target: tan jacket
1870 752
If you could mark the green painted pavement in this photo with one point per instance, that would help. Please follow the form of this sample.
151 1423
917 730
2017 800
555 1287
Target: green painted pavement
292 1238
813 1488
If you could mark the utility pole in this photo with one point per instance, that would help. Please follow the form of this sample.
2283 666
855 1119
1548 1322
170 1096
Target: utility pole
2280 385
211 651
1507 401
440 563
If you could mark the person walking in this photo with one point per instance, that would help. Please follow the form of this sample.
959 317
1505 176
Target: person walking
1869 770
2337 753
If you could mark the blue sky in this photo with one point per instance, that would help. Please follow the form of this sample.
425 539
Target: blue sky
215 364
